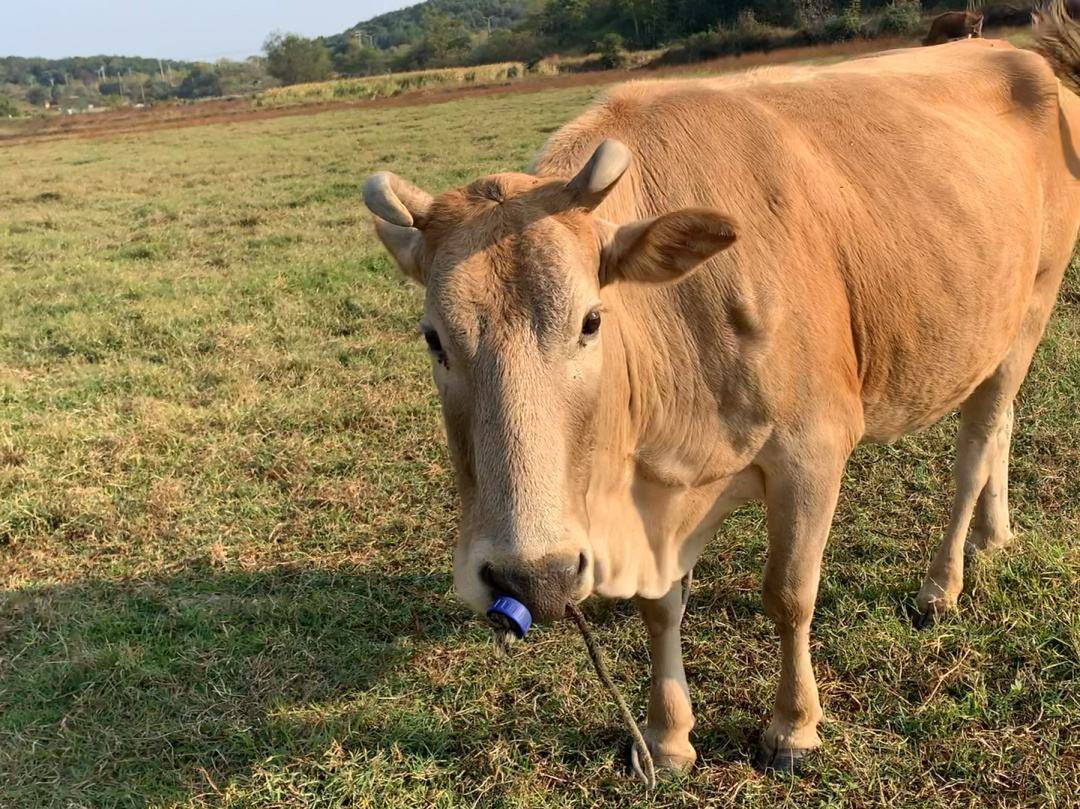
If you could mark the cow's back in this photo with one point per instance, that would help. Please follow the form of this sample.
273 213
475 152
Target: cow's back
893 210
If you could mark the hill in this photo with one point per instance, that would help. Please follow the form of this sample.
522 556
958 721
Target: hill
407 25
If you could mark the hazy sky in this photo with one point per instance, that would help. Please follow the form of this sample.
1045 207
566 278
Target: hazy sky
174 29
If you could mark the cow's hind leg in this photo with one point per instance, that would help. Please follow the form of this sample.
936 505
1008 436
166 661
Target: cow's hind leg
671 717
990 526
982 463
984 420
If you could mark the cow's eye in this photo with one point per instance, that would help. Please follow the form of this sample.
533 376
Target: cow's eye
591 324
434 344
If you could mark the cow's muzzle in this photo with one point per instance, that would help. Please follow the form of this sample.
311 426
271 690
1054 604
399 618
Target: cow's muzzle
546 586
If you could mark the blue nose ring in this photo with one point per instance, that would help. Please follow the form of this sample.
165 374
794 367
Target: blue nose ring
509 613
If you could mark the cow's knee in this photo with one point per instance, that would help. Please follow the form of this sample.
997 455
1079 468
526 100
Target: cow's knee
787 604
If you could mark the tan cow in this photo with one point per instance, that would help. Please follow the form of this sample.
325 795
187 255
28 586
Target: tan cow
708 292
954 25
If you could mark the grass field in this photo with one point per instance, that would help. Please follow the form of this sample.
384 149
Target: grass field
226 517
392 84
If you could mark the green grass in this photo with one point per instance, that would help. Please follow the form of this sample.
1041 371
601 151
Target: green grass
226 519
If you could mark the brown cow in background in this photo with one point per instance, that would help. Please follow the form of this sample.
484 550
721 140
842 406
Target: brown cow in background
954 25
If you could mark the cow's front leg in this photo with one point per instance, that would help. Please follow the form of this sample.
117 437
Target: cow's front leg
800 509
670 716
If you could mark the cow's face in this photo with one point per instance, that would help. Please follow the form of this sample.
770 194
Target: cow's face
513 267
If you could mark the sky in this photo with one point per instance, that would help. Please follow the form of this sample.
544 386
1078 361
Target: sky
172 29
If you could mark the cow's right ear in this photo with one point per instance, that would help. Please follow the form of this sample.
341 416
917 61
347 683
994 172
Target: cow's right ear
663 249
401 212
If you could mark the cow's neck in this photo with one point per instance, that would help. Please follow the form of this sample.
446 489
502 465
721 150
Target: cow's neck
668 464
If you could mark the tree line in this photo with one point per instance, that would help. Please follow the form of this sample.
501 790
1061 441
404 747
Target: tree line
101 81
443 33
440 33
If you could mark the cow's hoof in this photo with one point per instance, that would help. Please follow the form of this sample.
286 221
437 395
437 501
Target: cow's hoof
921 620
928 614
664 764
933 602
983 541
786 760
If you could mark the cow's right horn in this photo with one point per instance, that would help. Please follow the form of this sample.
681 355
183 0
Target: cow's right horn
597 177
397 201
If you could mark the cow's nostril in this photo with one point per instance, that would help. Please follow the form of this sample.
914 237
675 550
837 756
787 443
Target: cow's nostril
487 576
583 564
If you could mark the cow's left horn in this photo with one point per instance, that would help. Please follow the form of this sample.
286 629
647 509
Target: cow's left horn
398 202
597 177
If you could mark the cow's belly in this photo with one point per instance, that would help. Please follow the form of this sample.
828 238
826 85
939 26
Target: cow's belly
933 323
923 406
921 375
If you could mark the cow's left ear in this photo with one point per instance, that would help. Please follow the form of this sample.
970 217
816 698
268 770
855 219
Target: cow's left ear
662 249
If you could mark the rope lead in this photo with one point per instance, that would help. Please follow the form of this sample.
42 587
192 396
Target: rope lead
597 657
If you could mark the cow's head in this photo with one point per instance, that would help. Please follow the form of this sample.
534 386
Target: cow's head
513 267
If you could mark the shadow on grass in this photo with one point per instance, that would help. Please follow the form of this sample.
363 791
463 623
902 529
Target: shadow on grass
170 688
153 689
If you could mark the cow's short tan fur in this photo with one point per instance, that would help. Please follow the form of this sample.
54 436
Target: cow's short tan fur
902 224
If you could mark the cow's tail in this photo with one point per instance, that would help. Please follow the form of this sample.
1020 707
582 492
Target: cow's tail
1057 37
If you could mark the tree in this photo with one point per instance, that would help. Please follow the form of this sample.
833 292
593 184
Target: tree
7 107
812 12
294 59
200 82
612 51
361 60
445 40
37 95
562 19
237 78
509 46
158 90
647 17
